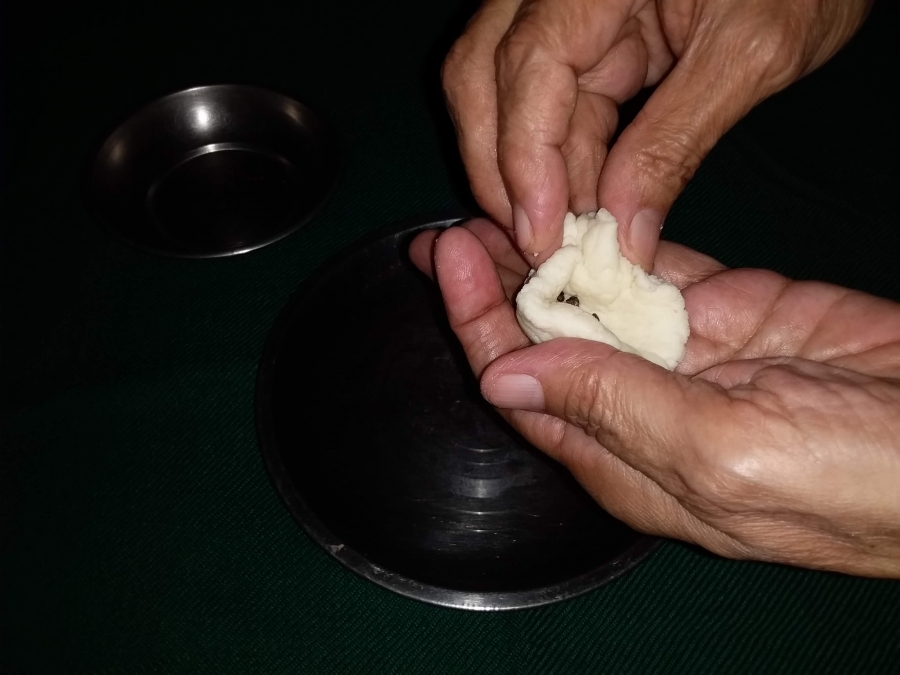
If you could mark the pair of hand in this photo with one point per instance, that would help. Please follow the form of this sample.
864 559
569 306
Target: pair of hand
778 437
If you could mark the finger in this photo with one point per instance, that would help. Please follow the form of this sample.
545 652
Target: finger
647 416
623 70
469 82
683 266
592 125
782 376
476 303
499 245
550 43
421 252
740 373
659 52
511 267
753 314
713 85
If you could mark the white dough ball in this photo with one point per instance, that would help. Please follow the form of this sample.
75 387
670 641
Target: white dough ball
617 302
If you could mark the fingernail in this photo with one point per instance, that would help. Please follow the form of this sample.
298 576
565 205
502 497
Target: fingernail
644 234
522 225
515 391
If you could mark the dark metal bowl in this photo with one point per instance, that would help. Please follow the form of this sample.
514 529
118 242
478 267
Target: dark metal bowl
212 171
375 435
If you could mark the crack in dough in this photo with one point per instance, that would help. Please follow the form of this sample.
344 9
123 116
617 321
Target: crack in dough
617 302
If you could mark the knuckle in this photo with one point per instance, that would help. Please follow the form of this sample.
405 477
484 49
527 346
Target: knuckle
671 158
459 66
726 473
774 54
523 47
767 50
515 47
719 481
580 403
594 403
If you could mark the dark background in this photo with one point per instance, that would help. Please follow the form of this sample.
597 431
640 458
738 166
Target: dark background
139 531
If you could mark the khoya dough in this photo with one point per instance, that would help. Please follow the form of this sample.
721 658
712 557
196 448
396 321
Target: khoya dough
588 289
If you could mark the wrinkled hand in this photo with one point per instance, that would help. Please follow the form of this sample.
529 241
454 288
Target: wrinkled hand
777 438
533 87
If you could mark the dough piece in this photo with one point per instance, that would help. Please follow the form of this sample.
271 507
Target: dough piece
588 289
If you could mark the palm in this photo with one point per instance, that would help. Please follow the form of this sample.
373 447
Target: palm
753 314
784 351
742 314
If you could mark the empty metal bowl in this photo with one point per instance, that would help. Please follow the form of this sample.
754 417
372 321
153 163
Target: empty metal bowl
212 171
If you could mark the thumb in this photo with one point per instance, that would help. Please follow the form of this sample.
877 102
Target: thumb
706 93
642 413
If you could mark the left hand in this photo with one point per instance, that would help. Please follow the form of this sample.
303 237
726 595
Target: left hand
777 438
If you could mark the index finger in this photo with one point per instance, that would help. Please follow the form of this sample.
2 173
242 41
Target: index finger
470 89
550 43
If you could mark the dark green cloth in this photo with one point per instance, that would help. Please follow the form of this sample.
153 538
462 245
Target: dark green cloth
140 533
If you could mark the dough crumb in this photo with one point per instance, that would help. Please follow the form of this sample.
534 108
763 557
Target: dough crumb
588 289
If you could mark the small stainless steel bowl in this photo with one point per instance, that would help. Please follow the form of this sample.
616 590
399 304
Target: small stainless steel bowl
212 171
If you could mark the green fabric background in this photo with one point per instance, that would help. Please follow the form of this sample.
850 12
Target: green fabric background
140 533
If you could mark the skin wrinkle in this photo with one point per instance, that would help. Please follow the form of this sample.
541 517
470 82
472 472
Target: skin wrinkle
848 352
835 353
726 509
584 151
746 347
680 20
568 28
715 482
745 341
801 348
689 526
623 71
577 410
676 144
820 414
782 302
862 362
805 525
660 55
482 326
603 423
